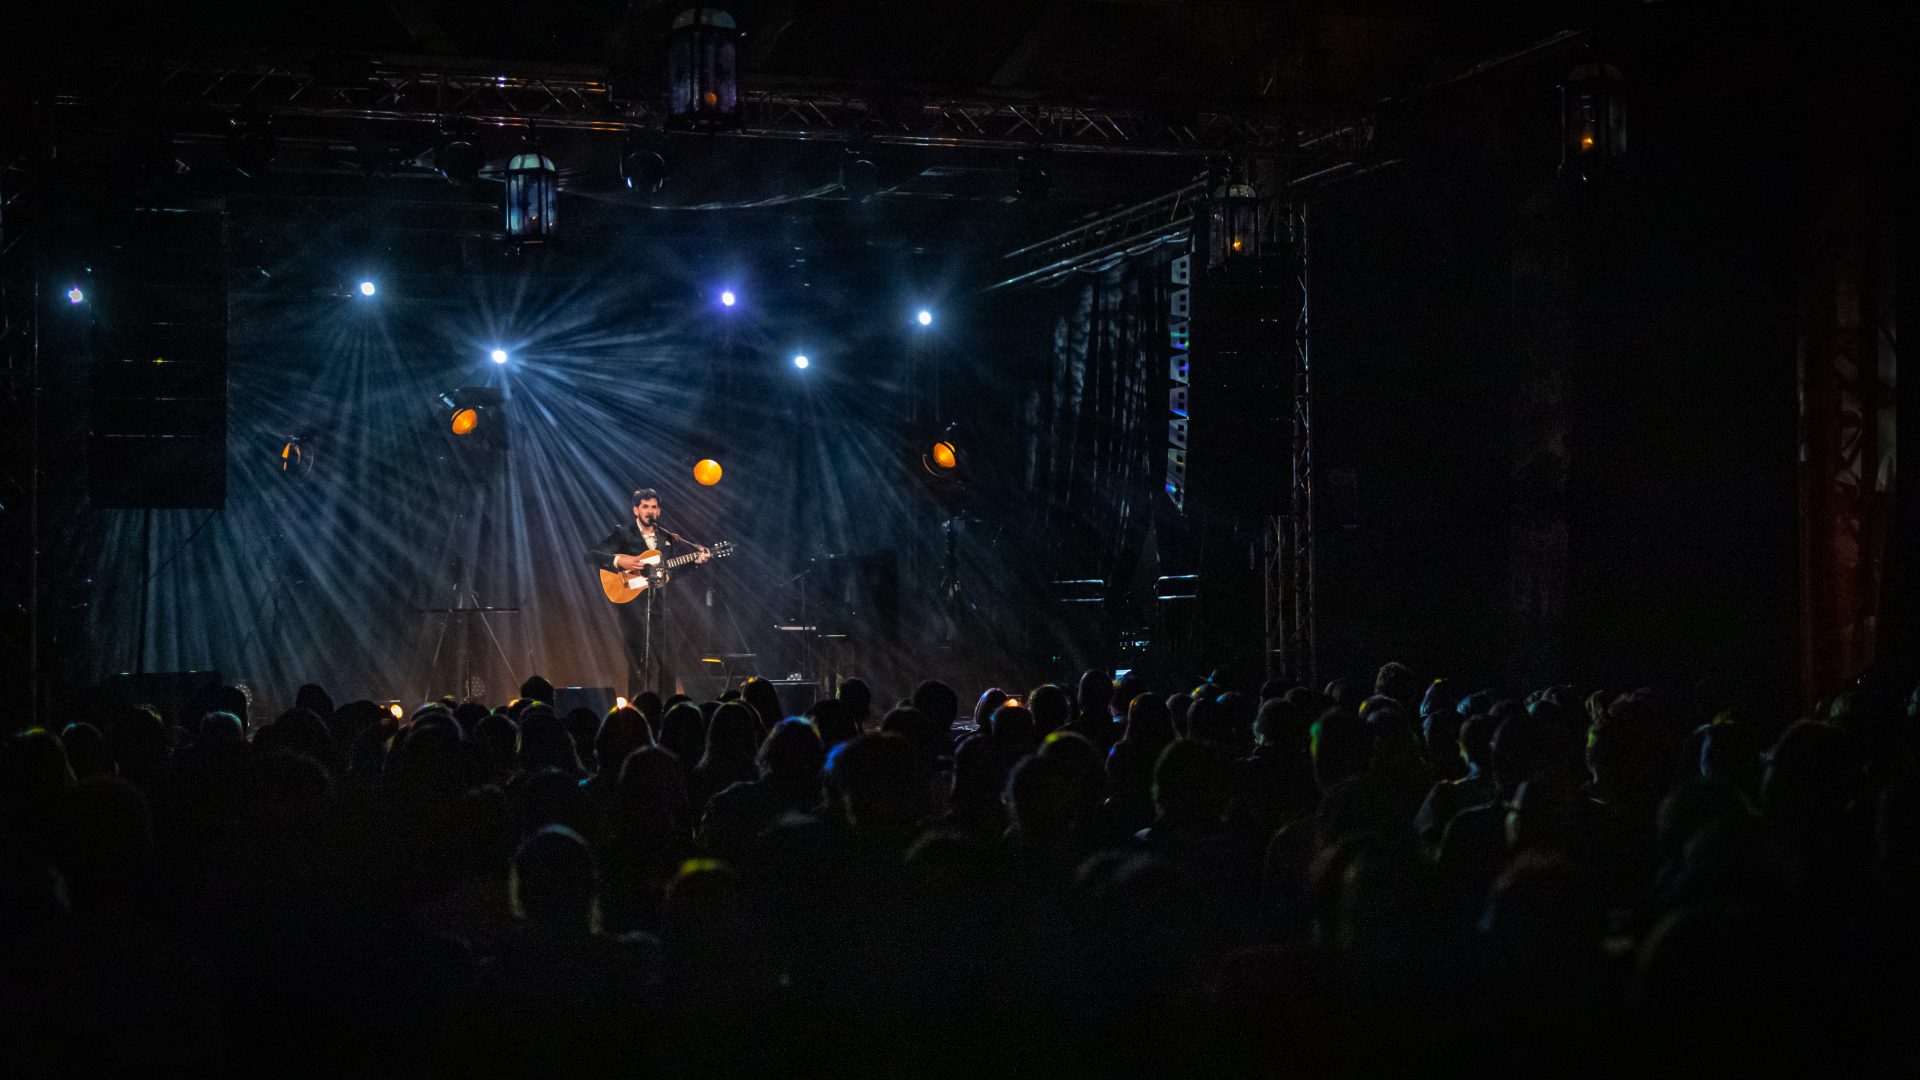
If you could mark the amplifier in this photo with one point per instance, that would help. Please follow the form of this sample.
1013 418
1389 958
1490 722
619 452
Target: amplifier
597 698
169 691
796 697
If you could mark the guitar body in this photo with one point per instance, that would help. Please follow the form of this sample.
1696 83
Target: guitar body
623 586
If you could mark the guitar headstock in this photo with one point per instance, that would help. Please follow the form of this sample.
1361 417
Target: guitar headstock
721 550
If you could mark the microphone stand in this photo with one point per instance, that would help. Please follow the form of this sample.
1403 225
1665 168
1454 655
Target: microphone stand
649 668
657 576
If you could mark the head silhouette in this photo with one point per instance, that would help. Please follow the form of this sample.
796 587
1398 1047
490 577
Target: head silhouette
733 736
1811 775
1193 783
857 696
554 881
792 753
88 751
835 721
1397 681
537 689
1043 793
1149 722
1050 707
876 776
684 731
939 702
546 743
765 699
1013 732
622 731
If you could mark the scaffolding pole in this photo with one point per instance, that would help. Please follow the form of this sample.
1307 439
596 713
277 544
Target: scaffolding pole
1292 638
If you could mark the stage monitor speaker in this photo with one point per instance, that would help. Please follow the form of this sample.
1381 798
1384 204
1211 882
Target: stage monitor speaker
599 699
169 691
704 686
796 697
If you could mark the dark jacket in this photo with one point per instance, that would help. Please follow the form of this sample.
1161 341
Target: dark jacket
625 540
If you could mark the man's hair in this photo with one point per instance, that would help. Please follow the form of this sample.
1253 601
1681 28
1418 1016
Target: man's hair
641 495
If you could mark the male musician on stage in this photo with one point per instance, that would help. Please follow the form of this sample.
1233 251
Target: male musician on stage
620 551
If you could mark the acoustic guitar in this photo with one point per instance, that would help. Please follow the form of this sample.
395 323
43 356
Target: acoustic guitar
623 585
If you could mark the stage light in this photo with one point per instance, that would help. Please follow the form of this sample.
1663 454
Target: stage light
1237 217
296 458
474 415
925 318
945 463
642 168
727 299
619 703
396 711
499 356
859 176
1593 123
532 200
458 157
367 289
800 362
702 68
707 472
75 296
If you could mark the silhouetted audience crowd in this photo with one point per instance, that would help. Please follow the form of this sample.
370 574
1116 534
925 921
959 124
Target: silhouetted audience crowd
1116 880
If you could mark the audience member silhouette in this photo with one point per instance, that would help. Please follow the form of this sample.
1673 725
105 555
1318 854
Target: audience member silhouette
733 740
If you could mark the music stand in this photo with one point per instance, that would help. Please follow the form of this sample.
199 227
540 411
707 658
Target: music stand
465 604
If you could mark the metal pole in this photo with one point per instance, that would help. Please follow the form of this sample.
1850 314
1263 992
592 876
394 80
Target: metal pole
146 586
1305 422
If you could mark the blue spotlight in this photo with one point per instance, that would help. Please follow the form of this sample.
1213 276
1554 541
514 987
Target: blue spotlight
727 299
75 296
800 362
499 356
925 318
366 288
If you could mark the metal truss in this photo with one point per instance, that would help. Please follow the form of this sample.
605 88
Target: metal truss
1292 640
19 427
1128 231
424 89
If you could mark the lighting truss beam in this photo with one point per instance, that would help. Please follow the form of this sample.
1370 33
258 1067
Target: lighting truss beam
1292 638
579 98
1162 219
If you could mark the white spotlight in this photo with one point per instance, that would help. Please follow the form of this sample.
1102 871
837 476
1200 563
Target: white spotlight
925 318
499 356
75 296
800 362
727 298
366 288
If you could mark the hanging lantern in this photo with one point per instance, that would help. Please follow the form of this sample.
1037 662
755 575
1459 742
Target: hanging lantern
1593 123
702 69
533 197
1236 223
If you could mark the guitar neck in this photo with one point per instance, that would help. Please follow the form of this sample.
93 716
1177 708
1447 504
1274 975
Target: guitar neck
678 560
